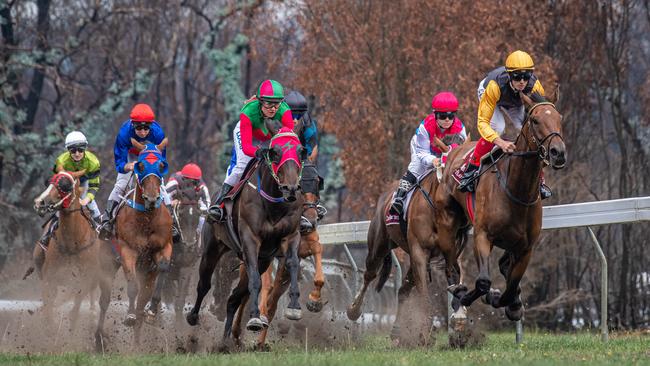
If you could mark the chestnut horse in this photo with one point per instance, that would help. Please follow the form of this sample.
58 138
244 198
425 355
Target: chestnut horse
508 208
421 245
265 219
144 236
310 244
71 256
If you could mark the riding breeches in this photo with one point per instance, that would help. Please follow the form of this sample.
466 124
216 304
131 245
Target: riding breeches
239 160
92 205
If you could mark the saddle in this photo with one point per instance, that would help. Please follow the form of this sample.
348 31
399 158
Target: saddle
487 161
248 172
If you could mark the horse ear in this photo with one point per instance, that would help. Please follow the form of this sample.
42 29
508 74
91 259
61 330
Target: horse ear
137 145
163 144
275 154
555 97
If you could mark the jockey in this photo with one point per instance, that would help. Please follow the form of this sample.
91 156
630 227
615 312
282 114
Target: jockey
142 127
501 88
188 185
426 155
78 158
308 134
259 116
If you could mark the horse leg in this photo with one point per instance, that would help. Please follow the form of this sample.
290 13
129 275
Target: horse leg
251 244
129 258
419 267
510 297
378 256
74 312
49 295
234 302
314 302
209 260
267 287
108 268
147 282
482 249
163 264
236 329
293 311
280 285
183 284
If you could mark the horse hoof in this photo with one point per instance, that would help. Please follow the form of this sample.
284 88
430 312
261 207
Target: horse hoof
259 347
314 306
192 319
492 297
353 313
265 321
130 320
515 313
458 320
149 316
293 314
254 325
100 342
458 290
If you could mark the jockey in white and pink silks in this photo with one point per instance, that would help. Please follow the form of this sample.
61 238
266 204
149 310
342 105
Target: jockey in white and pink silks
425 154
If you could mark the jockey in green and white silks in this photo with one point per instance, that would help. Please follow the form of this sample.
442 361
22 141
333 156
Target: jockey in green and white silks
257 114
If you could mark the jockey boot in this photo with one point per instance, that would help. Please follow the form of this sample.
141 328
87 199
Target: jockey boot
544 190
321 211
106 227
305 225
215 212
176 233
44 240
467 181
405 185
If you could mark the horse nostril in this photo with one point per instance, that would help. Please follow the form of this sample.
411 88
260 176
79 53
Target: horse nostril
554 152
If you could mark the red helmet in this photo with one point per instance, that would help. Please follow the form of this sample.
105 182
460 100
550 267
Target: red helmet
191 171
142 113
444 102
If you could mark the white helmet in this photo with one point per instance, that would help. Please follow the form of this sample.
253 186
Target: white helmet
75 138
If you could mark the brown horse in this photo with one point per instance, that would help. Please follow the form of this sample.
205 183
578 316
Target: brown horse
71 257
508 206
421 245
144 236
265 217
310 244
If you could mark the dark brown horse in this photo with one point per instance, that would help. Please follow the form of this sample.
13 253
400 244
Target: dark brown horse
508 208
265 217
273 289
421 245
71 257
144 236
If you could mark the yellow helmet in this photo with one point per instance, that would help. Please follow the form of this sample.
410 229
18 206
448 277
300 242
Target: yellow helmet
519 60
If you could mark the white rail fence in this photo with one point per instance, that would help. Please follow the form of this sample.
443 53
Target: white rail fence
627 210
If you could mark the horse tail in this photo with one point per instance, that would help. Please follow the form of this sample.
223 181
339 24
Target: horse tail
385 271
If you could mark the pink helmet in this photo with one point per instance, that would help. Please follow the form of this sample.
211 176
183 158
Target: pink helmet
444 102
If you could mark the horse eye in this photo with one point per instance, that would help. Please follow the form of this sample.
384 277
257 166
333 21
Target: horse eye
535 121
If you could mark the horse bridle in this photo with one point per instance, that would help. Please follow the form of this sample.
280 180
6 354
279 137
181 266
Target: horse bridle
59 204
542 150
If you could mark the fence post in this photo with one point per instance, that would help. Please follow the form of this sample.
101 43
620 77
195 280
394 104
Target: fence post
603 287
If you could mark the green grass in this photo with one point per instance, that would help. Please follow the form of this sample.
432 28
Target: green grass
537 349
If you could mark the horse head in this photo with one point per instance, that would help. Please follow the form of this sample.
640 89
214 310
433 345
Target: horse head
284 157
60 192
544 130
149 171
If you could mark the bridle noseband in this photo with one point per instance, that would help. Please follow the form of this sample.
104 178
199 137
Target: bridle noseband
541 150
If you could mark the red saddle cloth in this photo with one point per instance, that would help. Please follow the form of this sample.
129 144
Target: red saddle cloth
460 171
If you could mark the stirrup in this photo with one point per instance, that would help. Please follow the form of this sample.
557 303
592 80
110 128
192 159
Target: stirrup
321 211
544 191
216 214
305 225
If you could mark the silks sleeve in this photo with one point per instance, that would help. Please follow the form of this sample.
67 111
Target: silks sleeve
486 107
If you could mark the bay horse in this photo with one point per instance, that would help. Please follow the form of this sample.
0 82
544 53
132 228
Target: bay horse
71 257
508 208
144 236
185 254
421 244
273 289
265 219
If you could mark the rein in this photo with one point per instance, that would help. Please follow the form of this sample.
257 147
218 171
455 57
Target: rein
541 152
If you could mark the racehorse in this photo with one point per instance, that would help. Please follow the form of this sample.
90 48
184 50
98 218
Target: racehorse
419 240
310 244
71 257
185 254
265 219
508 208
144 238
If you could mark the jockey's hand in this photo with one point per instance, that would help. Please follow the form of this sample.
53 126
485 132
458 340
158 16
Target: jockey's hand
507 146
128 167
260 153
436 162
175 202
84 201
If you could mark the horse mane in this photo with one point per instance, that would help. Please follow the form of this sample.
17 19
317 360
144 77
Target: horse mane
538 98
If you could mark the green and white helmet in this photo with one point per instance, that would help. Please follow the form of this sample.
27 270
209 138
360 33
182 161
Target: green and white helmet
75 138
270 91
